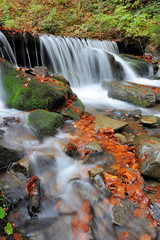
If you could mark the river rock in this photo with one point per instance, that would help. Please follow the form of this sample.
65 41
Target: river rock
44 123
131 92
95 171
22 166
98 181
150 120
13 188
148 149
94 147
121 138
7 156
123 213
103 159
102 121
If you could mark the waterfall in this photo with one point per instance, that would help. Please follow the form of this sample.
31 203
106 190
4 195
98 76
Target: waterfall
83 62
6 50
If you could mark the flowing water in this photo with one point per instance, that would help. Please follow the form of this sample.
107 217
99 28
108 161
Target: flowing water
64 186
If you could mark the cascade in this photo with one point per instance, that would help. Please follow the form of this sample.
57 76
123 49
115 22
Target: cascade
6 50
83 62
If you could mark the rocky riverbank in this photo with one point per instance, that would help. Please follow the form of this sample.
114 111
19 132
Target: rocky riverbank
116 153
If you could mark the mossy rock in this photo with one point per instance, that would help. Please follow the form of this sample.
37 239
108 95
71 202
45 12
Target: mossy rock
25 92
44 123
131 92
75 111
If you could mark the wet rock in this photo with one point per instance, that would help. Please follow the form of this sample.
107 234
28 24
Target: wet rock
75 111
150 120
94 171
139 226
13 188
64 208
131 92
100 185
44 123
94 147
22 166
123 213
134 127
121 138
84 191
102 121
129 137
103 159
7 156
148 149
10 120
47 229
71 151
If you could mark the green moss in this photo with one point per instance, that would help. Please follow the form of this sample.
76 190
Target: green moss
44 123
35 95
136 101
71 112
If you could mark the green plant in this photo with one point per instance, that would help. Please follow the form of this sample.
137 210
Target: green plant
8 229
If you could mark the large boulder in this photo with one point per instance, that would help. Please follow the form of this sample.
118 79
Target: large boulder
25 92
44 123
148 150
143 96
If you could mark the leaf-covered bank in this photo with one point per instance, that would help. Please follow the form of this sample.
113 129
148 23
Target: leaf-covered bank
118 19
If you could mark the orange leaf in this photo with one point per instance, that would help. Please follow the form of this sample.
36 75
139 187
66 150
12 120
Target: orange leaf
137 213
123 236
17 236
145 237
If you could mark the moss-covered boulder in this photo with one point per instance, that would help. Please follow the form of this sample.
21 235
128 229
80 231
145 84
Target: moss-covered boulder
25 92
44 123
136 94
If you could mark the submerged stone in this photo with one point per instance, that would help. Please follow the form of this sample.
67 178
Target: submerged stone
44 123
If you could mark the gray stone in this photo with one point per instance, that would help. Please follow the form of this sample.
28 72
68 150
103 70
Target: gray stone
148 149
123 213
131 92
